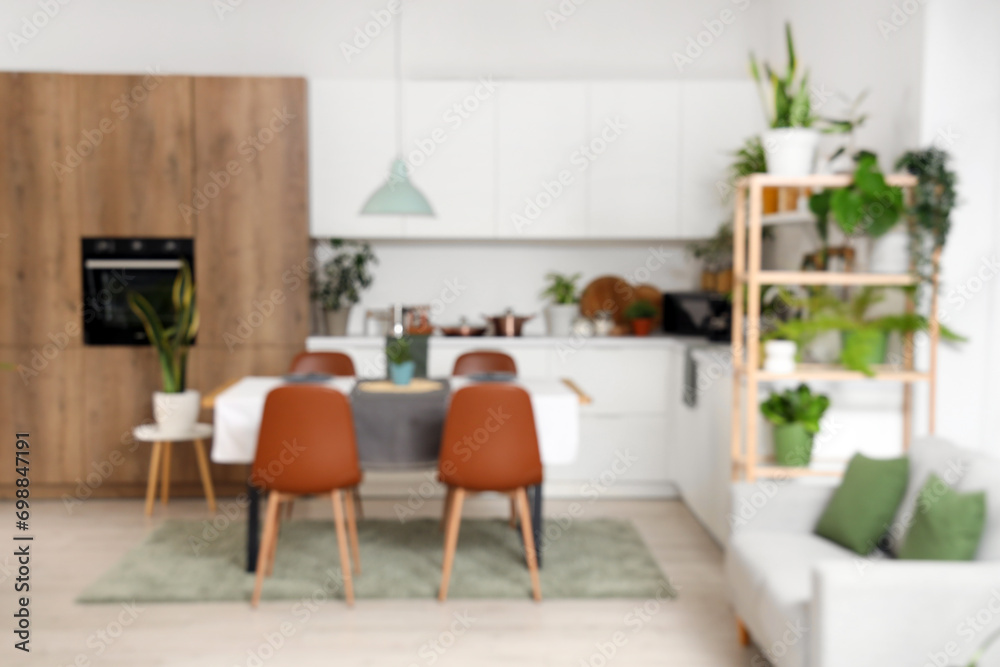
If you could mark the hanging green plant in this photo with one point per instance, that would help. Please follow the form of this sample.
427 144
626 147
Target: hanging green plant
934 199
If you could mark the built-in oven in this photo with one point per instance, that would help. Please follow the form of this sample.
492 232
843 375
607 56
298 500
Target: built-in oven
113 267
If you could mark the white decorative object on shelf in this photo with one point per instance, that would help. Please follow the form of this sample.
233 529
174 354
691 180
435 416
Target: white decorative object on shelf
176 413
559 317
791 151
779 356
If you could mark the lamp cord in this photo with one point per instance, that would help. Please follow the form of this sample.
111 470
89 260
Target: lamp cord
398 73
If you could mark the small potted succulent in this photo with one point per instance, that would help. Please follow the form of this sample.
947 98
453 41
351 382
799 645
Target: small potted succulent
641 314
401 364
565 307
795 414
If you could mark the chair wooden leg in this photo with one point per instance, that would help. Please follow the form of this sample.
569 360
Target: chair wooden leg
742 634
359 510
454 521
529 542
449 498
154 469
352 530
165 477
270 534
273 551
345 560
513 512
206 475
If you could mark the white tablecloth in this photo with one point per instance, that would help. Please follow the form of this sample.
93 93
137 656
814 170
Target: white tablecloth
239 409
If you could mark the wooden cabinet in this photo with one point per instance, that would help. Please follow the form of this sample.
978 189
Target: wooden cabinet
448 143
634 160
352 139
541 177
716 118
39 221
252 250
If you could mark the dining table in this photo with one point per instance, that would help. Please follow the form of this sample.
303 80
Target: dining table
398 430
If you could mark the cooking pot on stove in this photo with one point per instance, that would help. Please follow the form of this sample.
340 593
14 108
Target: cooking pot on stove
507 324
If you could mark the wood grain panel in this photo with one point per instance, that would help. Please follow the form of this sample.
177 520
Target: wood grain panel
251 219
139 172
39 228
45 401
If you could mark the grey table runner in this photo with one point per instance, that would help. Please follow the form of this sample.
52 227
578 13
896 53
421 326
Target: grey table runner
399 430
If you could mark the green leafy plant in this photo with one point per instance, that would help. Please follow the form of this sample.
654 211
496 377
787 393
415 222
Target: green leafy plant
868 205
823 311
750 158
933 202
785 98
796 406
717 251
172 343
398 351
347 272
640 309
562 288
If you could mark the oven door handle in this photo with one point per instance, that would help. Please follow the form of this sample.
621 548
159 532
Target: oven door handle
132 264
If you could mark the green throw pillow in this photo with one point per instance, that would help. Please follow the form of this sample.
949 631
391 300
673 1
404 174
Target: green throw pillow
862 509
947 525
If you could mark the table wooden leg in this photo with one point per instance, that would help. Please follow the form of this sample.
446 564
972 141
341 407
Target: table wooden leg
206 475
165 478
253 526
154 469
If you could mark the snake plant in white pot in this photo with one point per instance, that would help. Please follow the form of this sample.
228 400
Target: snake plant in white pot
176 408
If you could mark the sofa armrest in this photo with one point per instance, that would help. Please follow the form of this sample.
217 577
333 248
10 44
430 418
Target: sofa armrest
771 505
868 613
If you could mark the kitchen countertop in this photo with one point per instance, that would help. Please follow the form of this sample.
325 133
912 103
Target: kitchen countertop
657 341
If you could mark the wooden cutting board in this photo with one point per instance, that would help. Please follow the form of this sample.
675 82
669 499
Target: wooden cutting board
611 293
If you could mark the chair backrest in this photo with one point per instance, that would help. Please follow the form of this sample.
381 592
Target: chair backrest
306 442
490 442
330 363
484 361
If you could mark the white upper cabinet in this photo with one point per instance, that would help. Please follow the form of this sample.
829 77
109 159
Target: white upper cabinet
634 159
351 147
449 145
716 118
541 183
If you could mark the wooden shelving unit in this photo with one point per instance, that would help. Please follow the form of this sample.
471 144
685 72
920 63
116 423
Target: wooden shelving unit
748 224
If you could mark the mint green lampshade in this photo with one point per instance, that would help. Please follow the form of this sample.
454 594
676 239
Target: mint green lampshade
397 196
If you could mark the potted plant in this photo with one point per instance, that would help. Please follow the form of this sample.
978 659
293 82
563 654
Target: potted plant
933 202
564 308
641 314
749 159
176 407
401 364
791 142
716 253
339 282
795 414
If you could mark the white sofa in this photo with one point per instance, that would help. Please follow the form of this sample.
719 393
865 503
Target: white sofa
807 602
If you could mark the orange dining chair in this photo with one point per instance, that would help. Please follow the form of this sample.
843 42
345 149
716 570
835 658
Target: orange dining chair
330 363
489 444
317 420
484 361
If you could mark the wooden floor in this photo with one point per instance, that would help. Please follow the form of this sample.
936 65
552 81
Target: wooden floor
72 548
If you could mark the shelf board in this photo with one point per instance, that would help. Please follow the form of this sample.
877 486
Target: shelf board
818 180
831 278
786 218
835 373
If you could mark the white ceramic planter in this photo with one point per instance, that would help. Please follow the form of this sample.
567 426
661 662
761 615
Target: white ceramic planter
779 356
891 252
791 151
176 414
560 317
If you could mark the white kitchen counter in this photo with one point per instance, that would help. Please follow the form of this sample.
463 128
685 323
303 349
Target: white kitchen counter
326 343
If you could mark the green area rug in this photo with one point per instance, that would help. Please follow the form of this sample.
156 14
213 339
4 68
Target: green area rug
190 561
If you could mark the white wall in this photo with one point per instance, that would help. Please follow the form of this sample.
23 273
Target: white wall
961 100
464 279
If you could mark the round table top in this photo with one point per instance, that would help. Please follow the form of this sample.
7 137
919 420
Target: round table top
152 433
